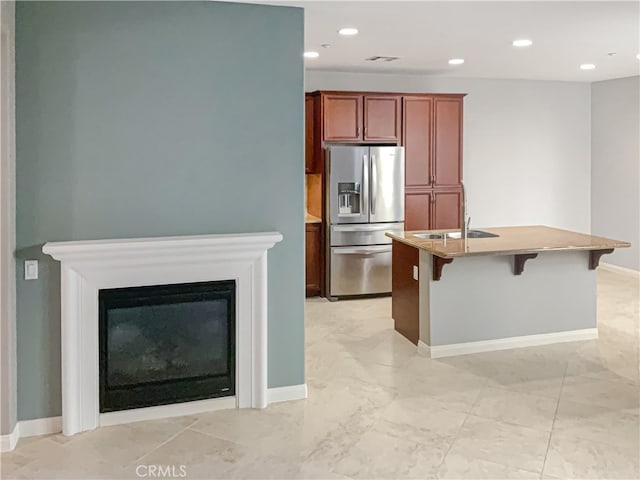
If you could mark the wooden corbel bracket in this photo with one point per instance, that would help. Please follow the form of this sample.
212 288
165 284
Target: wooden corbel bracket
438 263
518 262
594 257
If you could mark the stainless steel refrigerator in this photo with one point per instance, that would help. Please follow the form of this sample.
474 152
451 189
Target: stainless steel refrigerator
364 199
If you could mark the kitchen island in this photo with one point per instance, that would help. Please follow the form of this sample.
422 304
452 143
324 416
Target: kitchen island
522 286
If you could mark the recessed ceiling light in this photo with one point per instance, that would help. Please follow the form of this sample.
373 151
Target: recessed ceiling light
310 54
587 66
456 61
522 42
348 31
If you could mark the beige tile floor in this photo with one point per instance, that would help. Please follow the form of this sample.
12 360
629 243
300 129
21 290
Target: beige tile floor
378 410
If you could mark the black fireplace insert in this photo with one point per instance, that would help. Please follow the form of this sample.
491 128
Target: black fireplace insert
166 344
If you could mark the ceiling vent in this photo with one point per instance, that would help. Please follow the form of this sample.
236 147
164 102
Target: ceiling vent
380 58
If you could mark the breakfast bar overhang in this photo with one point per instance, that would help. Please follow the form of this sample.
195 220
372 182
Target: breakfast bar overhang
523 286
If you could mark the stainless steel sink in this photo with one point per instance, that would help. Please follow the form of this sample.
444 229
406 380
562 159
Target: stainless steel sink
472 234
429 236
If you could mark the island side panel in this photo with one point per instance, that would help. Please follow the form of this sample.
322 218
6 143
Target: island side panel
480 299
405 303
426 265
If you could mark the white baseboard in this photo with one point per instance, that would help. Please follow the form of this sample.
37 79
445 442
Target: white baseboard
40 426
439 351
30 428
274 395
617 269
167 411
284 394
424 349
8 442
45 426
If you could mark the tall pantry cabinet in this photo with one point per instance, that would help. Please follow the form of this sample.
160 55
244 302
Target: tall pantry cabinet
432 138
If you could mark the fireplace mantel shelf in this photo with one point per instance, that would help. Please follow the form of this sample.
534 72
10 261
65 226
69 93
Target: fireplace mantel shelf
88 266
151 247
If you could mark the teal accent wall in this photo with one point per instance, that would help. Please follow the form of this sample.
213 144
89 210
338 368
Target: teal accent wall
139 119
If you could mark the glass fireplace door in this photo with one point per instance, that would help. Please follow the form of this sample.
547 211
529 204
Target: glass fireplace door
166 344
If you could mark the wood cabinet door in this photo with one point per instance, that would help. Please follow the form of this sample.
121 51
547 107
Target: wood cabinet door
447 161
417 211
446 210
416 139
342 118
382 118
405 291
309 160
313 255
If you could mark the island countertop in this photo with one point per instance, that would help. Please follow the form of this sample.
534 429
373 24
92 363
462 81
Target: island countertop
510 241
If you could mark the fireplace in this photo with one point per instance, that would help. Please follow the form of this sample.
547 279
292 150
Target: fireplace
166 344
90 267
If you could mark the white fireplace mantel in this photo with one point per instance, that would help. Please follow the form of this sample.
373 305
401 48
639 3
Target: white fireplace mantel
88 266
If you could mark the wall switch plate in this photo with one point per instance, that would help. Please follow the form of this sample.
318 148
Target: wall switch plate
31 269
415 272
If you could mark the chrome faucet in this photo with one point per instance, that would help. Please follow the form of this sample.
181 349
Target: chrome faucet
464 220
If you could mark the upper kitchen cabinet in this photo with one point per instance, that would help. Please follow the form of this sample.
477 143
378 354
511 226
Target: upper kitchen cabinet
432 138
309 146
356 118
447 142
382 118
342 118
416 139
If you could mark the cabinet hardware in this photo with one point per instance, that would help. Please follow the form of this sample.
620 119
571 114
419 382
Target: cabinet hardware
372 250
376 227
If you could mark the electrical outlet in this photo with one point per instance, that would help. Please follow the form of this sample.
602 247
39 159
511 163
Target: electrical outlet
415 272
31 269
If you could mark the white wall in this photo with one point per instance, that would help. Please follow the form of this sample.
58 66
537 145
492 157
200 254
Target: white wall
7 222
615 168
526 144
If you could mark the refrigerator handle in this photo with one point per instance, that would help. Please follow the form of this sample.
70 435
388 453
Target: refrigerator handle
373 184
365 176
365 250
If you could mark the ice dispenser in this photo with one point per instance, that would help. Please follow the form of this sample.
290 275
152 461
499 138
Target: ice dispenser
349 198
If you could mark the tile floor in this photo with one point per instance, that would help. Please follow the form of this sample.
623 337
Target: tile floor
376 409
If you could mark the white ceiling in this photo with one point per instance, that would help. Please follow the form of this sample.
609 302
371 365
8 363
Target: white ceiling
425 34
